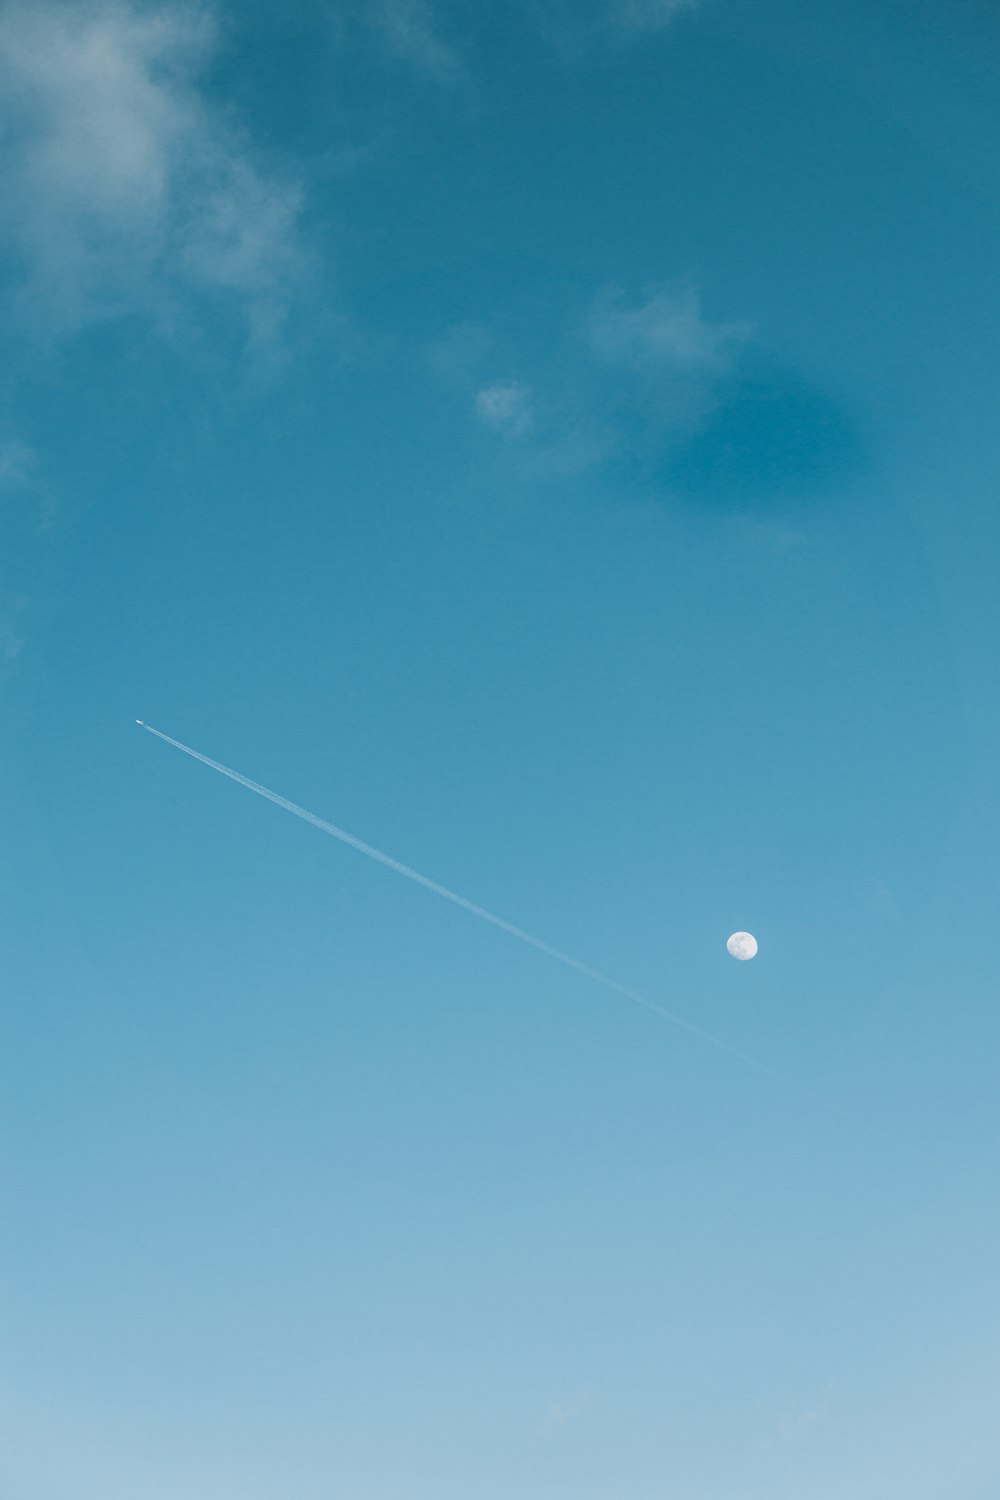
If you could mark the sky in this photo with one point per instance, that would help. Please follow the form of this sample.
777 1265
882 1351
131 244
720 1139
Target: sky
557 443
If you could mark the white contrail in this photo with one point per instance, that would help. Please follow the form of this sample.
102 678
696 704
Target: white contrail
470 906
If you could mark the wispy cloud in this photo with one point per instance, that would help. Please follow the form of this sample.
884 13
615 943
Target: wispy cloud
125 189
11 638
410 32
564 1412
666 330
625 375
658 395
574 28
505 407
649 15
27 513
17 464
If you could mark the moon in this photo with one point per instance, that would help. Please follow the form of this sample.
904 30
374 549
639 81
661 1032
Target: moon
742 945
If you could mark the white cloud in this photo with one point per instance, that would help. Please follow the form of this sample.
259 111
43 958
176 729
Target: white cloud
576 27
649 15
664 331
505 407
11 645
22 489
17 464
627 380
409 31
565 1411
12 609
124 188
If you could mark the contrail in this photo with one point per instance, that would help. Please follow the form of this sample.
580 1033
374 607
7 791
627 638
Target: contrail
477 911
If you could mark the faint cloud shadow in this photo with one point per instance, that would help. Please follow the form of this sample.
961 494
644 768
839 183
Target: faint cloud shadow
770 437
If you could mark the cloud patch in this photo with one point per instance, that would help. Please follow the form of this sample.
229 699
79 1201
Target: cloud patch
649 15
667 330
17 465
126 189
506 408
659 398
410 33
623 378
18 483
575 28
667 361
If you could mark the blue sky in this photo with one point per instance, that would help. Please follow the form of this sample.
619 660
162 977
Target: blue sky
559 444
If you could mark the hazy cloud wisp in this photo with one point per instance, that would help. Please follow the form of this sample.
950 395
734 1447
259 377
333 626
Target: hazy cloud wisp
505 407
631 375
409 31
649 15
17 464
667 330
126 189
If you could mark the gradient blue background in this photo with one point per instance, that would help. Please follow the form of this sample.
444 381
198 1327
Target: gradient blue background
314 1186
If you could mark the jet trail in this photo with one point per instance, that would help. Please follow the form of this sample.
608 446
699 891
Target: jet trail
477 911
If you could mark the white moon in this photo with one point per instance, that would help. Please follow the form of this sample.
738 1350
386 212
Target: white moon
742 945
